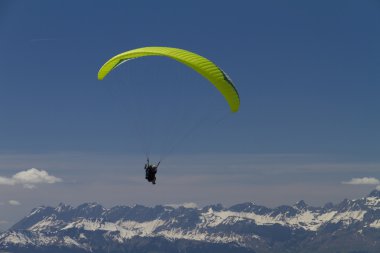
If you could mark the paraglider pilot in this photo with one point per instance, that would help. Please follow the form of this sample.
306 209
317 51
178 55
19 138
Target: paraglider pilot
150 171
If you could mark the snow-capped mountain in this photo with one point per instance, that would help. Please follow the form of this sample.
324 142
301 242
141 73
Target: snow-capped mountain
350 226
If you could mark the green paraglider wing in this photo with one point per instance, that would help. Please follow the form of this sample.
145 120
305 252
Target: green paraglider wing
200 64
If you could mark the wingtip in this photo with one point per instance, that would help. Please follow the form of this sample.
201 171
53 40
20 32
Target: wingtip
100 75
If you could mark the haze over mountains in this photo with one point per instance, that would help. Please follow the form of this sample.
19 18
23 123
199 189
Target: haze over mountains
349 226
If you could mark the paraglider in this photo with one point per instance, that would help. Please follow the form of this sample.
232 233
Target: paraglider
150 171
200 64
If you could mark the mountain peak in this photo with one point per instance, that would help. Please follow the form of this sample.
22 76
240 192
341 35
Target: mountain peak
63 208
301 204
215 207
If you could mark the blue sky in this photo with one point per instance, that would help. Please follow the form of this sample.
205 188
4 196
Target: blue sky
307 73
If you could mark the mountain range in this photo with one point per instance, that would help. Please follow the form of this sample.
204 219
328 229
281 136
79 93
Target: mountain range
351 226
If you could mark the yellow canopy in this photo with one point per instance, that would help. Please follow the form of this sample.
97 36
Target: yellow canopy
200 64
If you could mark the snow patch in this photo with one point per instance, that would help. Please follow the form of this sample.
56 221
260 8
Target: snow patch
141 228
69 241
348 217
46 224
375 224
372 202
92 225
16 238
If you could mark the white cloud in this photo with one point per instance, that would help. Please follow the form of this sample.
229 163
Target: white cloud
29 178
14 202
363 181
6 181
